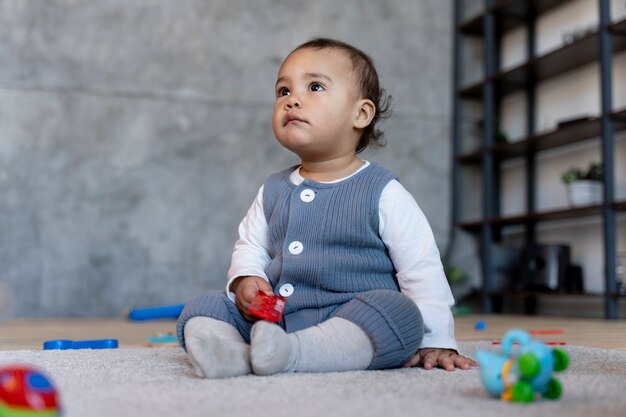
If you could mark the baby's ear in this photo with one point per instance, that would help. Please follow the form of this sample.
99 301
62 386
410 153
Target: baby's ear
365 111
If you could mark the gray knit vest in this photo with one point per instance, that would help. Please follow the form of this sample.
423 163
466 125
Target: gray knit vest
324 240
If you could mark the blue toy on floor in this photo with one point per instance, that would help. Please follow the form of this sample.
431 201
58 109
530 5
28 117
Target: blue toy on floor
79 344
523 368
156 313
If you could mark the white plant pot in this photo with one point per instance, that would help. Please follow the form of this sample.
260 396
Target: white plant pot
584 193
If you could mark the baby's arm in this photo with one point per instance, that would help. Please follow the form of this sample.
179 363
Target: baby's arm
246 275
250 254
414 253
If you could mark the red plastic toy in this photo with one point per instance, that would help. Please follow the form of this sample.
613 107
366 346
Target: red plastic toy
25 391
267 307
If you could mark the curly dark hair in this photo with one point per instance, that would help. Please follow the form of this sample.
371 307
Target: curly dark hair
369 87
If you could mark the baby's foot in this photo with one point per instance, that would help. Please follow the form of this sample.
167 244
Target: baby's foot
272 350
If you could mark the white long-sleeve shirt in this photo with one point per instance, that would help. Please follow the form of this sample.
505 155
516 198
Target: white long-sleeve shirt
409 239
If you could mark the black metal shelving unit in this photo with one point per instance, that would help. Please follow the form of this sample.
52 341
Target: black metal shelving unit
498 17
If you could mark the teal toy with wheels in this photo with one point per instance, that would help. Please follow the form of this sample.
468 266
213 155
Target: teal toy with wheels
522 369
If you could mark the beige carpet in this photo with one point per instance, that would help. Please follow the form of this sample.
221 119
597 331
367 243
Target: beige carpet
160 382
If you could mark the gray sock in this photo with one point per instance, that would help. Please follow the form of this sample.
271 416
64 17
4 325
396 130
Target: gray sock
216 349
332 346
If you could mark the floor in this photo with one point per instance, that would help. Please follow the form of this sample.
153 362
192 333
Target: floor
30 334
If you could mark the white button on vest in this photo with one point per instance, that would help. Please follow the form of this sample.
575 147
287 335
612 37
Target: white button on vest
295 247
307 195
285 290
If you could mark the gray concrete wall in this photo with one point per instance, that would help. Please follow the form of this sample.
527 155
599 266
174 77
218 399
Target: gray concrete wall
134 135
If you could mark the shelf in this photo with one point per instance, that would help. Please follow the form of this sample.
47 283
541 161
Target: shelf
509 14
526 293
578 51
584 130
552 215
512 13
619 116
473 26
474 157
567 58
619 205
618 28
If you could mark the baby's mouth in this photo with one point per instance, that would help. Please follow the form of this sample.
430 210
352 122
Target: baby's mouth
290 118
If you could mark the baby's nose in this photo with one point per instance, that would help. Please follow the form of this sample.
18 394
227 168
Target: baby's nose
294 102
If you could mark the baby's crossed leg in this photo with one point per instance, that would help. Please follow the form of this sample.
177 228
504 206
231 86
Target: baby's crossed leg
377 330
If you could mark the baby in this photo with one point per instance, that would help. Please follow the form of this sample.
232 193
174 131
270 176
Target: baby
338 237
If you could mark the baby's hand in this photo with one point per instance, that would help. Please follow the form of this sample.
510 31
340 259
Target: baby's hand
245 289
447 359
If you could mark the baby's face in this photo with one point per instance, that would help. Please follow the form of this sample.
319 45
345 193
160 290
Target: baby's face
316 104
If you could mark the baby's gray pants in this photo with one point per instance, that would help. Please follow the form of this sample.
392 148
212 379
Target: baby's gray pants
391 320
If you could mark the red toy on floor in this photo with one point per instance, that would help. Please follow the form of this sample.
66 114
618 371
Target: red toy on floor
25 391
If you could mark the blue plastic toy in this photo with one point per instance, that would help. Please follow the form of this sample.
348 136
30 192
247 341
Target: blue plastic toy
156 313
80 344
519 372
480 325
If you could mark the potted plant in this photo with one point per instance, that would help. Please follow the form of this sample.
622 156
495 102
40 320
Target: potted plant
584 187
499 138
454 274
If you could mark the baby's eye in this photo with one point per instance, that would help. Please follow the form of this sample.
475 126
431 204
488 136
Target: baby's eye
316 87
283 91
